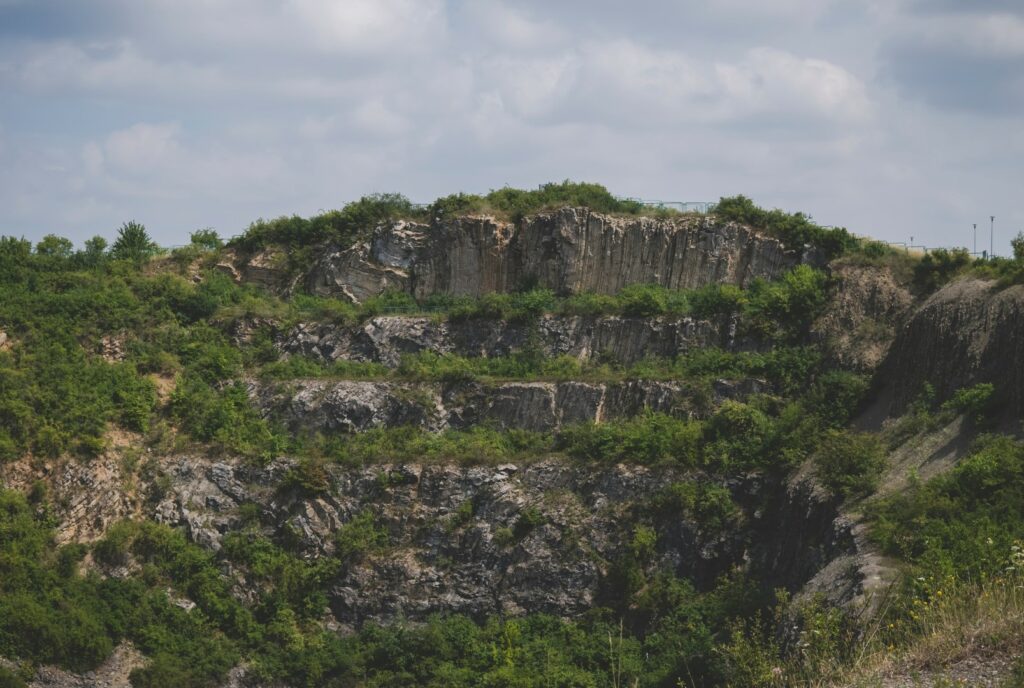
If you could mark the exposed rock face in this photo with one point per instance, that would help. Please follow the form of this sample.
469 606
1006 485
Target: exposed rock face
385 339
266 268
966 333
92 495
356 405
571 250
867 308
442 556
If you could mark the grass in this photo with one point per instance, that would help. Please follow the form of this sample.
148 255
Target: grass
959 619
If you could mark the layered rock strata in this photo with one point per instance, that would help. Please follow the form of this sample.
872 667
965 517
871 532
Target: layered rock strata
968 332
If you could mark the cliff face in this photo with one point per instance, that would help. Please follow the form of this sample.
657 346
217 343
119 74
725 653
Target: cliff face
348 406
966 333
571 250
455 538
868 307
385 339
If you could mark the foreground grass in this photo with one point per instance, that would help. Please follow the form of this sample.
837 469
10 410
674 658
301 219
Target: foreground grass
960 620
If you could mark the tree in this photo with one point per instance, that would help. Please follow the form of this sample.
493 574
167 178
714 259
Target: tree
206 239
133 243
1017 243
54 246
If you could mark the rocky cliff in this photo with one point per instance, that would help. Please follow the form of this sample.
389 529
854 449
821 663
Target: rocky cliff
346 406
540 536
571 250
384 339
968 332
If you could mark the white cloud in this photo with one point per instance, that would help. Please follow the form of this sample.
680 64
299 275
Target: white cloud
143 147
376 27
374 117
510 27
773 81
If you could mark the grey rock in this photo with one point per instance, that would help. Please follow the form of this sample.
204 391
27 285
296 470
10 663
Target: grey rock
385 339
571 250
349 406
967 333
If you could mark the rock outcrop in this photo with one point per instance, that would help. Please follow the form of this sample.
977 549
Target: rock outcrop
458 540
384 339
867 308
346 406
967 333
571 250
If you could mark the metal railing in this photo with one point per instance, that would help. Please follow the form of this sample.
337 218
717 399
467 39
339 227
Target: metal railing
702 207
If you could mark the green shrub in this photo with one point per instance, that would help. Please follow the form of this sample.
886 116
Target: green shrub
977 403
794 230
648 438
736 437
850 463
528 519
358 537
133 243
938 267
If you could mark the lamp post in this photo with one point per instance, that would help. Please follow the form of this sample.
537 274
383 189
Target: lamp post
991 236
975 238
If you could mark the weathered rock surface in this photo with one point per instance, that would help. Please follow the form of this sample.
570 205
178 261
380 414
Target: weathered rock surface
867 308
570 250
267 268
480 559
92 495
346 406
966 333
384 339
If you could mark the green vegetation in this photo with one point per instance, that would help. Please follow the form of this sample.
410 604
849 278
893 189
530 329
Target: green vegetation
850 463
961 523
794 230
162 345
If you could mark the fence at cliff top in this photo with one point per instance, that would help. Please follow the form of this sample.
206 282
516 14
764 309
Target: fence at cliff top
681 206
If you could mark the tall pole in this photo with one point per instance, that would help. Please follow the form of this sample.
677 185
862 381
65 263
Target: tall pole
975 238
991 235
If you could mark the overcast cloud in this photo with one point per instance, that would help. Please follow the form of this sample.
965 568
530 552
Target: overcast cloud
891 117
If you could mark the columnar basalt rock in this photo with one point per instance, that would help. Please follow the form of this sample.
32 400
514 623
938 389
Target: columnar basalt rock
968 332
571 250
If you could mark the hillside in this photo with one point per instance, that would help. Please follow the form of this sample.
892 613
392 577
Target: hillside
541 438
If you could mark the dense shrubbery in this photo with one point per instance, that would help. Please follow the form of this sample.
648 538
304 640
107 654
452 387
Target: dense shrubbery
338 226
794 230
518 203
938 267
850 463
52 614
962 522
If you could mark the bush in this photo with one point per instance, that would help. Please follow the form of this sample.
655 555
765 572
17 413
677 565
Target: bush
977 403
850 463
359 537
133 243
960 523
206 239
737 436
794 230
649 438
938 267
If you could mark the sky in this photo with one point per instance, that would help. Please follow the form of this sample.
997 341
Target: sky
894 118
